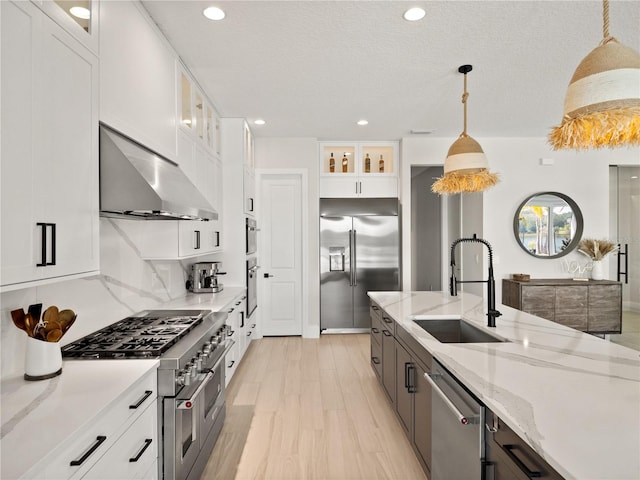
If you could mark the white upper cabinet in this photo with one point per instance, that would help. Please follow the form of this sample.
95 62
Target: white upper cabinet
353 169
49 196
80 18
137 77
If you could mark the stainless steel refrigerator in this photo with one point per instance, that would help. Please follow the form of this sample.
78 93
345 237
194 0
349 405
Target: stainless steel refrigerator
359 252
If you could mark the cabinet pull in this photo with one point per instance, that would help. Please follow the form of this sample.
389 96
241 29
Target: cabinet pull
231 333
387 319
216 241
251 204
99 440
375 330
375 308
197 240
375 360
140 402
386 333
147 442
508 449
408 377
44 226
231 364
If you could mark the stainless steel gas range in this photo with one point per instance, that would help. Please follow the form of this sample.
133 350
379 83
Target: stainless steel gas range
191 346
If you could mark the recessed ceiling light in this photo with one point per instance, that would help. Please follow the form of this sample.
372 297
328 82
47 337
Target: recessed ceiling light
414 14
259 122
634 177
213 13
80 12
363 122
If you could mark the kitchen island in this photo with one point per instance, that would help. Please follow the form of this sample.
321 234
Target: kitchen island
573 398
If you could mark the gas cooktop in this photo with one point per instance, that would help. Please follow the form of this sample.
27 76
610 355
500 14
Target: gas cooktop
143 336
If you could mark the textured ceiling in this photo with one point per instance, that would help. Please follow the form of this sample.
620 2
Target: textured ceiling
313 68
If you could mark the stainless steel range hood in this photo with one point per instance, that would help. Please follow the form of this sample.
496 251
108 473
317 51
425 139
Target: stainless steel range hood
136 182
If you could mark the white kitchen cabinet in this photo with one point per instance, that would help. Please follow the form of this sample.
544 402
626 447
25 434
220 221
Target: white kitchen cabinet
49 197
137 77
249 189
117 434
353 169
83 30
175 239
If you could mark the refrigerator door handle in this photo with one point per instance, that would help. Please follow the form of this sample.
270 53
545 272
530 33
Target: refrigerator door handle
355 260
350 258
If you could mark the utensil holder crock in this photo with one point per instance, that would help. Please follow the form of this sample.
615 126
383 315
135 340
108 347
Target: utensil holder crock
43 359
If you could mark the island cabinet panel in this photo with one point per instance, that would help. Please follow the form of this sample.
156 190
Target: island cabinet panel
508 457
594 306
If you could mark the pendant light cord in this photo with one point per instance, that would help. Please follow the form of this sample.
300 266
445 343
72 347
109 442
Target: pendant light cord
605 24
465 95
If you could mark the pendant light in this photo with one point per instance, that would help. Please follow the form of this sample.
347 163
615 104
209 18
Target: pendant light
466 169
602 104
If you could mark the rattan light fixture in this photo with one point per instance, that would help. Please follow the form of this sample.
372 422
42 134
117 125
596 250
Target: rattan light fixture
602 104
466 169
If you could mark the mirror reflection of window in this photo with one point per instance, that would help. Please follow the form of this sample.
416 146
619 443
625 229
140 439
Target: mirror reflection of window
78 10
548 225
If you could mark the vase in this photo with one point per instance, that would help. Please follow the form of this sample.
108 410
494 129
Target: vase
43 359
597 271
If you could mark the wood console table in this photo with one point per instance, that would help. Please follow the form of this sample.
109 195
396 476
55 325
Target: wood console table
594 306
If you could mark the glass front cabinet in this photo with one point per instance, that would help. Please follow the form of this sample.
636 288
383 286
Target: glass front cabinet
358 169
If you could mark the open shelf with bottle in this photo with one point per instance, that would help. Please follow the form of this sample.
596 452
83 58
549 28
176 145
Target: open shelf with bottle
358 169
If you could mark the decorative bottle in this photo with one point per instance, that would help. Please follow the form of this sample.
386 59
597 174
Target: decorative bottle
332 163
367 164
381 164
345 163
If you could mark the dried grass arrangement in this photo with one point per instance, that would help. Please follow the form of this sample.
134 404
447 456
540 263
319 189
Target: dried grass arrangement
596 249
454 182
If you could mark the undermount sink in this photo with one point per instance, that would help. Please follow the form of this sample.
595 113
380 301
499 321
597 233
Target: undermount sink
456 330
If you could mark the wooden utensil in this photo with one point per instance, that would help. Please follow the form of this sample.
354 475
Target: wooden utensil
29 324
54 335
18 318
35 310
66 326
50 313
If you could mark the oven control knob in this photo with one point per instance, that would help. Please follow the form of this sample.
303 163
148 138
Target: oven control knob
180 379
206 350
198 363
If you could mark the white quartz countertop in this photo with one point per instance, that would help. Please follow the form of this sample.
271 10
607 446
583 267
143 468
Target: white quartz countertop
205 301
574 398
38 417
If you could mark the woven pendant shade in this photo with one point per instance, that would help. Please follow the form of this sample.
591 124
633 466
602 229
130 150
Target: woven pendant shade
466 169
602 104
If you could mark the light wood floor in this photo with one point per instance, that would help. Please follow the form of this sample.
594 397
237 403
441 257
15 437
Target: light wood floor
310 409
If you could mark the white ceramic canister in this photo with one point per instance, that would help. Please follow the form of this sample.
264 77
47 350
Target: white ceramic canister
597 271
43 359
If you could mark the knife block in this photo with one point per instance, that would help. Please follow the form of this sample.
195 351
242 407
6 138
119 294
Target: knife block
43 360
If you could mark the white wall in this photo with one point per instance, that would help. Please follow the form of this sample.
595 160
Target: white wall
295 154
583 176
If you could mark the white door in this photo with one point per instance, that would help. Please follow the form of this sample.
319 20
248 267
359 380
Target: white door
281 254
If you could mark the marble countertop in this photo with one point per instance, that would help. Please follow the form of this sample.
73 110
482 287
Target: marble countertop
38 417
205 301
574 398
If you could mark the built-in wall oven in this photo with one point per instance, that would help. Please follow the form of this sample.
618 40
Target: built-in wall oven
252 285
251 230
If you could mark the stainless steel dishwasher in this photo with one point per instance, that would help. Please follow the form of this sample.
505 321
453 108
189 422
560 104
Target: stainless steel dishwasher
456 435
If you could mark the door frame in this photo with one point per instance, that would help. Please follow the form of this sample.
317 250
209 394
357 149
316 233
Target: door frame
302 175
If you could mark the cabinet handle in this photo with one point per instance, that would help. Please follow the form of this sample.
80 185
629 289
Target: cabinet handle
216 240
375 308
231 364
249 334
408 377
147 442
99 440
44 226
375 330
251 204
387 319
508 449
197 240
375 360
386 333
241 319
356 188
140 402
231 333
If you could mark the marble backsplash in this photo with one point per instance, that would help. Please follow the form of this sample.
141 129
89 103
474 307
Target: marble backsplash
127 284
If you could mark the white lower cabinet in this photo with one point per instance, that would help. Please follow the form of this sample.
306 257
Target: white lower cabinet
382 187
133 453
240 331
104 448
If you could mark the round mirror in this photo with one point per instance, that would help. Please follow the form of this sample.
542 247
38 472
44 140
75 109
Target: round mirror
548 225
